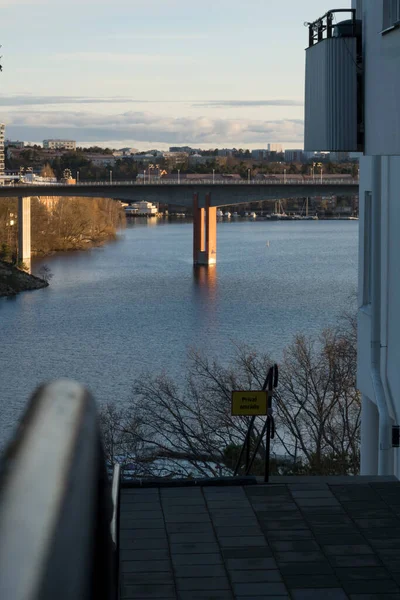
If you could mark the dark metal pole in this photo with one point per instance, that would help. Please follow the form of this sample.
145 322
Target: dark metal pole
267 450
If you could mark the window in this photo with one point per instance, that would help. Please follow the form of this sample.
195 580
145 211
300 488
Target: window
391 14
367 248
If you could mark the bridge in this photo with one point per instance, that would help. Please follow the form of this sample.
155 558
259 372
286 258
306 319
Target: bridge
203 196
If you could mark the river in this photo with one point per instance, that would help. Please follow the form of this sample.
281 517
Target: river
137 304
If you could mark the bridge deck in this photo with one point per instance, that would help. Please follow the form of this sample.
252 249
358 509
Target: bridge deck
329 539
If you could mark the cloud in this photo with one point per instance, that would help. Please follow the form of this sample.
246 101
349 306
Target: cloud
244 103
28 100
150 128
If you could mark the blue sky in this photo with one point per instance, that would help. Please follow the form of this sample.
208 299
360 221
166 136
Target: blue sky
156 73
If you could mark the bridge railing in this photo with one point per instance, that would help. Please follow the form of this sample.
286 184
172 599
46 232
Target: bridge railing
58 517
185 182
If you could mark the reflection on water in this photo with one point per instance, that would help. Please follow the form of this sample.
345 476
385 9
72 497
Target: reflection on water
205 278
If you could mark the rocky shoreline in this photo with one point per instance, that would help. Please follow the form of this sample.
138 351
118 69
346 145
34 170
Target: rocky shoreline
13 280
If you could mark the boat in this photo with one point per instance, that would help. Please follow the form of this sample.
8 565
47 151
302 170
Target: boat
235 215
278 213
253 215
227 215
220 213
246 214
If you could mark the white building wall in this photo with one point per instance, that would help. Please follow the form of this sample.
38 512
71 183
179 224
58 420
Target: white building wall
381 53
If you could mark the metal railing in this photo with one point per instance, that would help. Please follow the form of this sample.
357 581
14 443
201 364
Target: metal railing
58 526
315 182
324 25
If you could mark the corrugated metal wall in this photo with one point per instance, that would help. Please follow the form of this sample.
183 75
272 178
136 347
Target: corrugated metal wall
330 120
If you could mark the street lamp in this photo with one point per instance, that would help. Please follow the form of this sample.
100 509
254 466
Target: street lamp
213 175
321 173
284 175
77 177
144 175
110 175
248 175
179 176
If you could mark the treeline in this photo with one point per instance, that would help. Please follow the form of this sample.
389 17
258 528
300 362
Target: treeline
60 224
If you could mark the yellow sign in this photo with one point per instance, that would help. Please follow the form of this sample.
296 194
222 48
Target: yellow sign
249 403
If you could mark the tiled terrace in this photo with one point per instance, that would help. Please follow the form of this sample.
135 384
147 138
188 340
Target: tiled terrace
302 538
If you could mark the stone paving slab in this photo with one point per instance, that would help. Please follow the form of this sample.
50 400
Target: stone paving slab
298 538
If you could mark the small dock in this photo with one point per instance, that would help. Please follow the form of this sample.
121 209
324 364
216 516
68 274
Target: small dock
299 538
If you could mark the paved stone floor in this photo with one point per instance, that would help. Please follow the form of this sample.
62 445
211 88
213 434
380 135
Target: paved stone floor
305 540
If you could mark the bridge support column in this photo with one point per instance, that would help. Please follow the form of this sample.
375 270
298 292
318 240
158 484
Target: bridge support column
204 232
24 231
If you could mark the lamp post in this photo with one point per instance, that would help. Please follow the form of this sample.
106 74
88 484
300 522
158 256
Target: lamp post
248 175
144 175
110 175
77 177
213 175
284 175
179 176
321 174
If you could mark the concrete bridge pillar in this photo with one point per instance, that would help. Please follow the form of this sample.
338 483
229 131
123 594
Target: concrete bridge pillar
204 231
24 231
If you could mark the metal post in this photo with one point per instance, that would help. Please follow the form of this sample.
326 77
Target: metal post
77 177
110 176
213 175
144 176
248 447
248 175
179 176
267 450
284 175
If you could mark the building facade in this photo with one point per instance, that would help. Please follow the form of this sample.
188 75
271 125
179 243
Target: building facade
275 148
2 163
59 144
352 104
379 246
293 155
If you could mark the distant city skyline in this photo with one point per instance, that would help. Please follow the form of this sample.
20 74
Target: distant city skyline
157 74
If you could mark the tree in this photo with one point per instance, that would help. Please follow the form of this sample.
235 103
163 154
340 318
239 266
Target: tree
47 171
45 273
188 430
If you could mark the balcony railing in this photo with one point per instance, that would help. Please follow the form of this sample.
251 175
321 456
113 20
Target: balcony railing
323 27
58 518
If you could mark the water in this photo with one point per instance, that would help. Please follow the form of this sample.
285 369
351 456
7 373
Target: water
138 304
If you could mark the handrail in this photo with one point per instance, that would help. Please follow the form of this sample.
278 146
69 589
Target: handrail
190 182
115 496
55 502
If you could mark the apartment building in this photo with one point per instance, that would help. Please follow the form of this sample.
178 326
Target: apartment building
59 144
2 164
352 105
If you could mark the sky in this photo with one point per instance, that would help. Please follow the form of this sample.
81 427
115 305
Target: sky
155 73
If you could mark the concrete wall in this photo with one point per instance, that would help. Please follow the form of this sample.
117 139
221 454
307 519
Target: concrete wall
390 290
